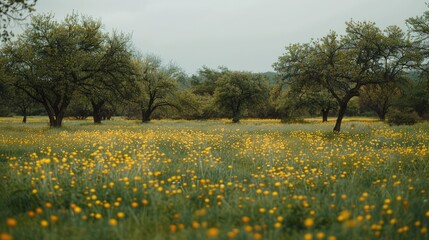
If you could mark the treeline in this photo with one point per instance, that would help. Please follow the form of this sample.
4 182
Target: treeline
74 69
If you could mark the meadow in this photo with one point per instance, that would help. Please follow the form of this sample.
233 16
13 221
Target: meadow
258 179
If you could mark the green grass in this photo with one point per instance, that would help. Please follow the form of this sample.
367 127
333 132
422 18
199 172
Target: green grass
193 179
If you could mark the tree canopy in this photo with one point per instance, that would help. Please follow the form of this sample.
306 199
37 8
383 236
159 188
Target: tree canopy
237 91
344 64
52 60
13 10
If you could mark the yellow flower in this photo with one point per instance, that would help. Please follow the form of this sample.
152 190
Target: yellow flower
308 236
195 224
5 236
77 210
113 222
11 222
54 218
309 222
44 223
31 214
320 235
344 215
257 236
245 219
212 232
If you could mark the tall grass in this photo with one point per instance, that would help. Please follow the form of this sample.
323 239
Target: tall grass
199 179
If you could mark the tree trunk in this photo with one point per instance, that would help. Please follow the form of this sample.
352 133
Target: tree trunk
325 113
146 115
235 117
55 115
382 115
97 111
97 118
236 113
24 111
56 120
51 120
341 113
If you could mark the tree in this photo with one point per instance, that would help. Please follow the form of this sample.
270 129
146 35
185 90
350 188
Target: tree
204 83
51 61
419 29
236 91
14 99
380 98
415 97
13 10
79 108
157 85
22 102
344 64
119 82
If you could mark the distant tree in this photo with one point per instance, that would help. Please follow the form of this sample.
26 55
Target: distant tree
313 99
119 84
380 98
415 97
157 84
204 83
13 10
22 102
51 61
344 64
237 91
14 99
419 29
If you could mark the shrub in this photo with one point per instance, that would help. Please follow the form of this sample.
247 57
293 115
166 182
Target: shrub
396 117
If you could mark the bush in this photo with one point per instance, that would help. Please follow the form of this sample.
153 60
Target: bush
396 117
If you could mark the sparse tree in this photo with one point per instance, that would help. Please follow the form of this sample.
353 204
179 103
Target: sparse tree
380 98
237 91
158 86
344 64
13 11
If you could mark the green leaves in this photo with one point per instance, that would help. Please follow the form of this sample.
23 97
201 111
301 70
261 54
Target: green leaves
342 65
12 10
236 91
53 60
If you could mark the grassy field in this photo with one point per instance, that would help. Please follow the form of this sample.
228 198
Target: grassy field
212 179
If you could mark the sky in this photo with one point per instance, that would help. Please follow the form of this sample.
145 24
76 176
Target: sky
245 35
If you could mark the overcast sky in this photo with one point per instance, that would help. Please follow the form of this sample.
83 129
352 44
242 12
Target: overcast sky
239 34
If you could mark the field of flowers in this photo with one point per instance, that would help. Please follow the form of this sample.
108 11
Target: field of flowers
199 180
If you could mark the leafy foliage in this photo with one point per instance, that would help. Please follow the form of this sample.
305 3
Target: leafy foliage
237 91
13 11
397 117
344 64
157 86
51 61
